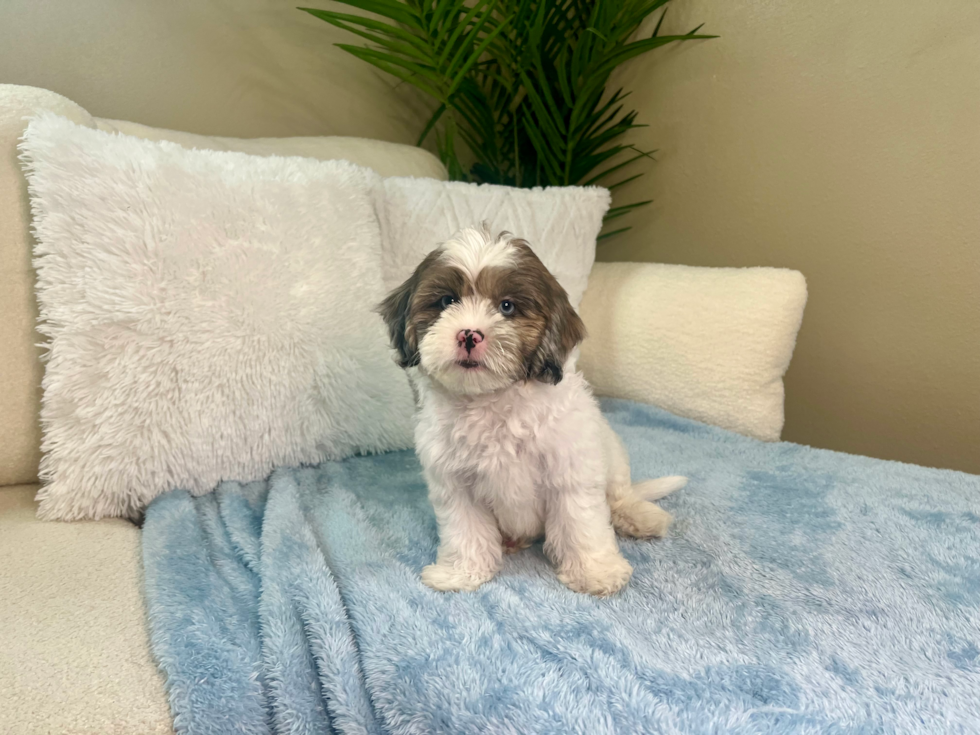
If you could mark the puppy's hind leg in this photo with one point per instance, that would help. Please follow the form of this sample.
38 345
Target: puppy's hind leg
633 513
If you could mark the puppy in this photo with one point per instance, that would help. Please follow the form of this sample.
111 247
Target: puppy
512 443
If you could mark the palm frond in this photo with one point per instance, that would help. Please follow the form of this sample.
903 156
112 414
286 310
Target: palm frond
520 86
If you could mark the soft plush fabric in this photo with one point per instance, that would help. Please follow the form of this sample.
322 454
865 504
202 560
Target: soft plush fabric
20 367
799 591
76 656
561 223
710 344
209 316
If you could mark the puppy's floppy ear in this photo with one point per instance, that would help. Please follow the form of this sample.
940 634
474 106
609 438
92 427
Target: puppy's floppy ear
395 310
563 327
563 331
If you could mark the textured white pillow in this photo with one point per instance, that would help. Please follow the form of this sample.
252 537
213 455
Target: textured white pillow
561 223
710 344
208 316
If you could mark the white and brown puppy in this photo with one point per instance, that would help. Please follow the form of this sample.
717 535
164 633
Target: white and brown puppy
512 442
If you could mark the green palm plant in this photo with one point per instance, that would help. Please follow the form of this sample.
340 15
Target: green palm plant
521 84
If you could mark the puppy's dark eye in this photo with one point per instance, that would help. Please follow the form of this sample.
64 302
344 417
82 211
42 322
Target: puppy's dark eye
507 307
446 301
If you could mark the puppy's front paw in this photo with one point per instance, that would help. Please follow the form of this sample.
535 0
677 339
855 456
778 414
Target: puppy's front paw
447 578
599 578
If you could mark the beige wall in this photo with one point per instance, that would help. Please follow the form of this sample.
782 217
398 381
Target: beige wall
843 140
244 68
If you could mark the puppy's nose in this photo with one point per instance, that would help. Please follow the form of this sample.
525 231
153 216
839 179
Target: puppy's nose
469 337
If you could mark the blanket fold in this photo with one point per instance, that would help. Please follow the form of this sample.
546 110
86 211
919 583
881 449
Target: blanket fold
799 591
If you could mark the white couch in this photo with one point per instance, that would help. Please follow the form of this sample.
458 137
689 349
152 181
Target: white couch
75 655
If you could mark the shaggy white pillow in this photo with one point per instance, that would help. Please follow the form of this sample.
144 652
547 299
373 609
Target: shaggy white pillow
711 344
561 223
208 316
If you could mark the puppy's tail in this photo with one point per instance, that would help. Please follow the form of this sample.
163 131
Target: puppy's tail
658 488
635 514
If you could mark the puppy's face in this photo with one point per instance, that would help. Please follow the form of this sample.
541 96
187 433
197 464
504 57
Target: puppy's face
481 313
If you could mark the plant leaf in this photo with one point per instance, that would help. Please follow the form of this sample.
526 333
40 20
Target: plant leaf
397 11
520 86
615 212
431 124
607 235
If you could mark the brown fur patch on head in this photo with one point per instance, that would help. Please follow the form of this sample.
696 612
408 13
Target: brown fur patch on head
410 309
548 327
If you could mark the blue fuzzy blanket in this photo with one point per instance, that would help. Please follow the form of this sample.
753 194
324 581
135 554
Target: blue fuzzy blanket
799 591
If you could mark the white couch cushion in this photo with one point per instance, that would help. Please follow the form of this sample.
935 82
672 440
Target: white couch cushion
710 344
76 655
